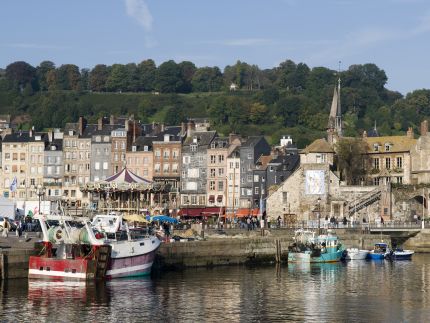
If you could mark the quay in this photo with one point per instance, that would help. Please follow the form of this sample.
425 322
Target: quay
232 247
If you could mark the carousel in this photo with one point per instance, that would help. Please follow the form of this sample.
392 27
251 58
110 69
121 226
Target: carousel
124 192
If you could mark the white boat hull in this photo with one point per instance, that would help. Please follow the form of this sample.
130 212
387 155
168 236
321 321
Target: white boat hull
356 254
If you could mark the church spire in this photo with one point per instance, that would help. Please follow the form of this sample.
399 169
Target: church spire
335 117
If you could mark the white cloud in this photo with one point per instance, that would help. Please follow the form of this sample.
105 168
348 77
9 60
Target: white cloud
138 9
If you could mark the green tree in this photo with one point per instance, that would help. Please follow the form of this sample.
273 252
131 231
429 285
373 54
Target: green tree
351 159
117 79
98 78
187 72
207 79
42 71
168 78
19 74
146 72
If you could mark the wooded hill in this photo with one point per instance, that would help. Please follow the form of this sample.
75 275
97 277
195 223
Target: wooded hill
289 99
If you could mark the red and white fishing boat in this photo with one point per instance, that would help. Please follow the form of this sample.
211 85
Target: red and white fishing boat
69 252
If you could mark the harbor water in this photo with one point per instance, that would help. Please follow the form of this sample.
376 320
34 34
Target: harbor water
360 291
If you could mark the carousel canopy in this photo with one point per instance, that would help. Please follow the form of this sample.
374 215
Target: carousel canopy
126 176
123 181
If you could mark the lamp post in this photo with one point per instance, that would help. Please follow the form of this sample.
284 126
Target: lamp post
40 191
319 215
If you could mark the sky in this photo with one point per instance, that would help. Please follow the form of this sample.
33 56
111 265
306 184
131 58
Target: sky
393 34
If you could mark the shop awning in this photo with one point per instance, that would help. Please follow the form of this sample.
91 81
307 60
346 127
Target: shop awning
213 211
191 212
219 198
211 198
247 212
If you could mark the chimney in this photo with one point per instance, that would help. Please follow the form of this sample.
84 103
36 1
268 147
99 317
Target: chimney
50 135
410 133
191 127
112 120
183 128
134 130
162 127
100 123
127 125
30 133
424 128
364 134
81 125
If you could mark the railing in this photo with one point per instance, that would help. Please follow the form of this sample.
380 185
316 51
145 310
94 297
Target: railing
387 225
364 201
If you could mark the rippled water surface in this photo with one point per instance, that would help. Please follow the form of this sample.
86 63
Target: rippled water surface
358 291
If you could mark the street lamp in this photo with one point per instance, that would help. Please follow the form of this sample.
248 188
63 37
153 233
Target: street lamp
319 215
40 191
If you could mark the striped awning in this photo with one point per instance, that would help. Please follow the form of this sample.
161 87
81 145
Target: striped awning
126 176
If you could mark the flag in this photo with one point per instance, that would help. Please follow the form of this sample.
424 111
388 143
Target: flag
13 185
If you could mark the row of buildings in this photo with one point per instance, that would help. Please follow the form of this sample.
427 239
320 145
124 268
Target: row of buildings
200 172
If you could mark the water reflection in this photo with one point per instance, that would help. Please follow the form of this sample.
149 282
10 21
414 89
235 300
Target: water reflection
362 291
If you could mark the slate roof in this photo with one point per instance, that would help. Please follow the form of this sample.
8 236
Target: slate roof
143 141
24 136
204 138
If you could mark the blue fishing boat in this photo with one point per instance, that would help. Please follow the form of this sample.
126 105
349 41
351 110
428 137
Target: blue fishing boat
399 254
310 248
379 251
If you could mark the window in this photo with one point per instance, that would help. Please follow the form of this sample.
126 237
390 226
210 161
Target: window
249 178
15 156
212 172
284 198
231 165
175 154
7 156
375 147
98 151
220 185
157 168
157 153
175 168
193 199
399 180
105 165
220 171
97 165
166 154
191 186
123 145
387 147
193 173
193 148
220 158
145 160
399 162
14 168
186 159
98 138
166 168
249 156
387 163
212 185
256 190
213 159
256 179
202 200
376 181
376 163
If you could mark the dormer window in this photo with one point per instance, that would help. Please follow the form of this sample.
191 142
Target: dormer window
98 139
133 148
375 147
145 148
387 147
70 132
193 147
213 145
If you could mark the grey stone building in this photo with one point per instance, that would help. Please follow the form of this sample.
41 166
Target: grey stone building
53 167
194 167
250 152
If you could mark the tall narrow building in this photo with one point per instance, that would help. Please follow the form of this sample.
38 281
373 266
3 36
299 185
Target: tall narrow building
334 127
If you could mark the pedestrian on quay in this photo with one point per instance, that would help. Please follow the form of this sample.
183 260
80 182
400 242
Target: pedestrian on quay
248 221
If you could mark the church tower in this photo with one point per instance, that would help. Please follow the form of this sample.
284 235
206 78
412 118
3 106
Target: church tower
334 127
